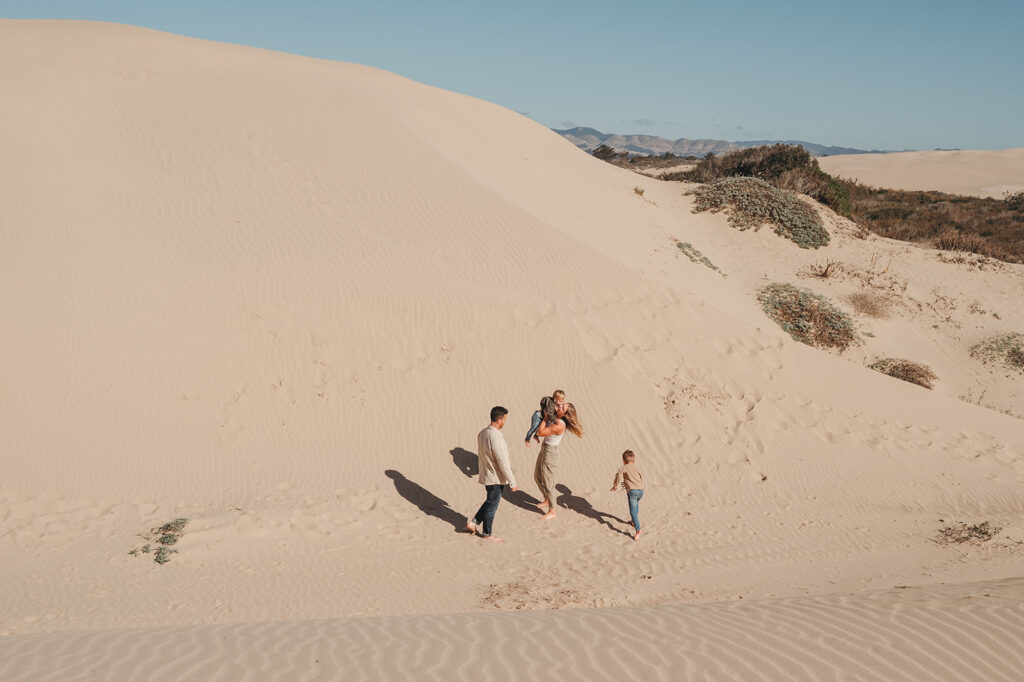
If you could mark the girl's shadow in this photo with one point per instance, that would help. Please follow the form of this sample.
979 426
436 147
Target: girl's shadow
580 505
468 464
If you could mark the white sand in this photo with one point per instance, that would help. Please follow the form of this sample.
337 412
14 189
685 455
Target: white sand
277 296
980 173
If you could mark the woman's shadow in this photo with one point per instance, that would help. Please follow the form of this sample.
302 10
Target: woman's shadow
468 464
428 503
580 505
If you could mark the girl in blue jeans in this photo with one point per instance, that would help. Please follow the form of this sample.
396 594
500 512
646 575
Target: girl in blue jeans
633 481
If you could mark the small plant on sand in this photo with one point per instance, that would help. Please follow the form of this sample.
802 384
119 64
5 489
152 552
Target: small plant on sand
638 190
958 533
752 202
808 317
695 256
165 536
906 370
870 303
1006 350
163 555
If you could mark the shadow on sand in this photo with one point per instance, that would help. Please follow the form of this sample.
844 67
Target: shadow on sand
468 464
428 503
580 505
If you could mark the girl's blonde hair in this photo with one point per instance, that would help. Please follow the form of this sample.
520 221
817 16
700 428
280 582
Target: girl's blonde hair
572 422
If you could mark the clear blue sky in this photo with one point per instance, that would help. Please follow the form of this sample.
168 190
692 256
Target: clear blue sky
874 75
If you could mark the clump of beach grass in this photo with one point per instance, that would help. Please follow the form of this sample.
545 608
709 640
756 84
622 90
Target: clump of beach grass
870 303
806 316
752 202
1006 350
165 536
906 370
695 256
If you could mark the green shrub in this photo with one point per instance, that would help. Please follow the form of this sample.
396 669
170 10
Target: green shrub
806 316
818 185
766 162
906 370
754 202
1006 350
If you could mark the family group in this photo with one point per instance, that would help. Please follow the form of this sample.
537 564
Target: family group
548 424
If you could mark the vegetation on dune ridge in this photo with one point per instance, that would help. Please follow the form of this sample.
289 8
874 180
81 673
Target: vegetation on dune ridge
984 226
785 166
806 316
640 161
906 370
1006 350
753 202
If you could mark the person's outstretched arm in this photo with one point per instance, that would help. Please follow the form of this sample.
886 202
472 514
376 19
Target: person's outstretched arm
618 479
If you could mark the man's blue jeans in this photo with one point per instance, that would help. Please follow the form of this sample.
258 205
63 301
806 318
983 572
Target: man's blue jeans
486 512
634 506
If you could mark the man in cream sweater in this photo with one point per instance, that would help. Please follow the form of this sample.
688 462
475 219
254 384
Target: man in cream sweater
495 472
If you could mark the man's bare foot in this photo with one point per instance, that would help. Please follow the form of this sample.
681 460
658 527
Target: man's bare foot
637 536
549 515
493 539
470 528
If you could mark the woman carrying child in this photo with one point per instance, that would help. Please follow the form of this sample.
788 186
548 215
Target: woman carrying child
551 430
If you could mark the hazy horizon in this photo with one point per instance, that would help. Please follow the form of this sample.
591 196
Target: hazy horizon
912 76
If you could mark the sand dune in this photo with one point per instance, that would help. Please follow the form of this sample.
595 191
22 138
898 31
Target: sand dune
979 173
939 632
235 294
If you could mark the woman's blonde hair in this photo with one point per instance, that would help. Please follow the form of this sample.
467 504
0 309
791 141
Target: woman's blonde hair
628 456
572 422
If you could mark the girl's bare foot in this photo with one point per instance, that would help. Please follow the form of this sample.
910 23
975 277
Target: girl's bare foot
549 515
543 506
637 536
493 539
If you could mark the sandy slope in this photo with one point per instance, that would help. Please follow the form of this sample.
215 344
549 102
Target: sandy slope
972 172
278 296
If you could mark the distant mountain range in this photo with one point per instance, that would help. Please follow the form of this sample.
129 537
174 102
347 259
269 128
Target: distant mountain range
590 139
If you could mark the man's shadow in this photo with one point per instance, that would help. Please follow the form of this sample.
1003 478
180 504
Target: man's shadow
428 503
469 464
580 505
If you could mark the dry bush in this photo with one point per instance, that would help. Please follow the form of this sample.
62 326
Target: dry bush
906 370
994 227
959 241
831 268
958 533
808 317
870 303
753 202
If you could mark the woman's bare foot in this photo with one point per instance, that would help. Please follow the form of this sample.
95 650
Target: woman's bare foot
549 515
637 536
493 539
470 528
543 506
